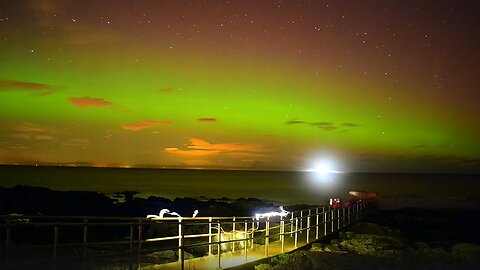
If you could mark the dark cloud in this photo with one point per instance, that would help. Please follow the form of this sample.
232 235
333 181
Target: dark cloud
351 125
324 125
294 122
327 126
37 89
420 146
207 120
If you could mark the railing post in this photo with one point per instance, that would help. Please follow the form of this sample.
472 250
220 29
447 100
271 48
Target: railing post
55 241
362 212
253 231
317 227
296 231
301 219
131 237
343 217
291 224
139 243
233 235
332 216
308 225
267 235
181 238
282 233
246 241
348 214
324 221
209 236
7 241
338 218
219 245
85 236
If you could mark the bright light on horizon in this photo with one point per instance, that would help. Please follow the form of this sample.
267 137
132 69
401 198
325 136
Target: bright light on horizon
323 170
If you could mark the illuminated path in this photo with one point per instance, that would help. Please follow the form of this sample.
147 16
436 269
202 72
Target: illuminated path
230 259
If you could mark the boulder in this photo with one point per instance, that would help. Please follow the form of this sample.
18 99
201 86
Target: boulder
187 256
316 247
350 235
347 245
331 248
466 251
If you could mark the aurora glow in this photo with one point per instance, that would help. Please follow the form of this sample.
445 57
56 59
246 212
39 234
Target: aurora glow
271 85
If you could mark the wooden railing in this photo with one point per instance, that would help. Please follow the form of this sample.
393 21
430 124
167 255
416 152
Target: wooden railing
48 239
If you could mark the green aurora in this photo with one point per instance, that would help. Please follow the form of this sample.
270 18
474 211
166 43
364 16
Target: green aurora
91 93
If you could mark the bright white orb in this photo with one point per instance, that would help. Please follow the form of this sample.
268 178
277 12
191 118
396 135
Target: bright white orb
323 171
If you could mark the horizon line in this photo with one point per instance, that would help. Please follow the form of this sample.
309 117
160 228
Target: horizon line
71 165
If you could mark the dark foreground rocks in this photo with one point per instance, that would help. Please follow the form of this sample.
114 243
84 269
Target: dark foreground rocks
370 246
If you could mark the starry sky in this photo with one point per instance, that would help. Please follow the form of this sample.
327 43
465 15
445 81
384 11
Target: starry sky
375 86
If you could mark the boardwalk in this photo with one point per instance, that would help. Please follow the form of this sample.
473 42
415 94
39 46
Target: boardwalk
168 243
231 259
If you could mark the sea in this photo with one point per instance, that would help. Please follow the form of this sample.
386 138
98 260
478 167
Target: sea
276 186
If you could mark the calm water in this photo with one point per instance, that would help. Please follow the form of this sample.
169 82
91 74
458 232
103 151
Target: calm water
281 187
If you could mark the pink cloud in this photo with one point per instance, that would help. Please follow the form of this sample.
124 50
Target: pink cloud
165 90
84 102
28 127
38 88
199 144
192 153
145 124
43 137
199 147
31 131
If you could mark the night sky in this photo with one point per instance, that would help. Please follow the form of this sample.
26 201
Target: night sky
271 85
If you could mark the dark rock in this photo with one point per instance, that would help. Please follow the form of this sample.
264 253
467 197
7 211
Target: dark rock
368 228
350 235
331 248
163 256
347 246
421 246
316 247
466 251
263 266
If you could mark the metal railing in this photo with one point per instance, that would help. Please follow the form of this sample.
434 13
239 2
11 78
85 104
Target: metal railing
49 239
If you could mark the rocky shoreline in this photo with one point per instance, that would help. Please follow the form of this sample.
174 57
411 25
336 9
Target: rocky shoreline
369 245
